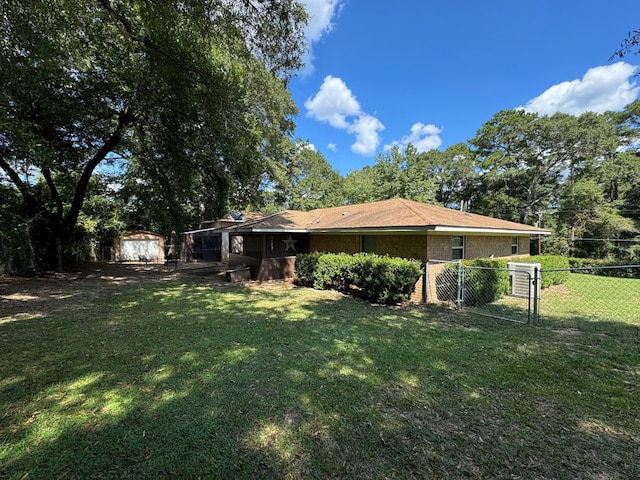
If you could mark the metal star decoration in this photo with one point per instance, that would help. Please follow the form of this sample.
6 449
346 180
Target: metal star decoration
289 244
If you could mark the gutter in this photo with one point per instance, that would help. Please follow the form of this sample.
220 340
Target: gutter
391 230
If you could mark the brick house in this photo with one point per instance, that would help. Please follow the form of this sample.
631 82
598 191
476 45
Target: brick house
396 227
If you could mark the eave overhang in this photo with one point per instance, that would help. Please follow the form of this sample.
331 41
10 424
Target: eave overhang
391 230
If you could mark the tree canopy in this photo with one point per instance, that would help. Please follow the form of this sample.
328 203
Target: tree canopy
630 45
195 91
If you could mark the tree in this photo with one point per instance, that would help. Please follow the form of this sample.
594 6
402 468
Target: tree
445 177
630 45
312 182
588 217
388 178
16 254
194 90
358 186
525 157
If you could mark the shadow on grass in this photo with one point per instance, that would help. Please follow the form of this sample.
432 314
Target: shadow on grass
177 380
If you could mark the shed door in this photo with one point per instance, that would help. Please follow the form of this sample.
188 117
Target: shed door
137 250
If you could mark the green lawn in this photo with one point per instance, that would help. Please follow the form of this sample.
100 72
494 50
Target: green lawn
178 380
591 298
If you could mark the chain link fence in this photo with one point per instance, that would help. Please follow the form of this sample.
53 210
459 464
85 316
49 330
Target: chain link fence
501 293
600 298
604 298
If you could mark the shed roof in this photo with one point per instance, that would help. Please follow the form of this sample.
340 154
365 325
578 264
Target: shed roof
393 215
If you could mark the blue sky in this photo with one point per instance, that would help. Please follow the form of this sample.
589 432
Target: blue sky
382 73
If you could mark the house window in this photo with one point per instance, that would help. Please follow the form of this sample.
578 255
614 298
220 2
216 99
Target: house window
369 244
457 248
514 245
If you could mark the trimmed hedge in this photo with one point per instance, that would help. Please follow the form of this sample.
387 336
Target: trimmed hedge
380 279
486 286
550 262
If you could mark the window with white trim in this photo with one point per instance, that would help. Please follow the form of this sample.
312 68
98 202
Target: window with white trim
514 245
457 248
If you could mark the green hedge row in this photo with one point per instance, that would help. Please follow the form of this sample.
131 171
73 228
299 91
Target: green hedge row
555 269
594 266
380 279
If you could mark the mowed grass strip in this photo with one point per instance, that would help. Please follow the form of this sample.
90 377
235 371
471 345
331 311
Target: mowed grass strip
587 298
178 380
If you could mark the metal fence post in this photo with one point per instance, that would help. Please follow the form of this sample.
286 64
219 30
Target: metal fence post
460 298
536 297
425 283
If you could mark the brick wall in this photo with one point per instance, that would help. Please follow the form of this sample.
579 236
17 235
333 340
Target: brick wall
421 247
439 247
334 243
485 246
406 246
418 292
524 246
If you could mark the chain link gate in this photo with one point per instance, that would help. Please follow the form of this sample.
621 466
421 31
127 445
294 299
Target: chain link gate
511 294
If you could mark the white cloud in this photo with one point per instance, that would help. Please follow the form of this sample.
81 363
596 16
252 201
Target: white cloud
423 137
335 103
321 15
333 147
366 128
600 89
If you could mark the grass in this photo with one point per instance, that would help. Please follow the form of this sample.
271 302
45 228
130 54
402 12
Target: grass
178 380
587 298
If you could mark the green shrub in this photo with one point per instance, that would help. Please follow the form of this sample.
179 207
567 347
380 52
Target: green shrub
306 264
595 266
487 283
384 279
447 284
379 279
490 280
557 263
334 272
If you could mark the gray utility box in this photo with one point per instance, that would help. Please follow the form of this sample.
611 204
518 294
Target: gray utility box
523 276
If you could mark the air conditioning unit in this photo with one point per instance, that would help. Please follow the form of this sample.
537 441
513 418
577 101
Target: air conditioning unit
523 276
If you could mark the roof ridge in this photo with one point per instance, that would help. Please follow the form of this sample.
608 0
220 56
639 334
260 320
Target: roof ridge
411 205
266 217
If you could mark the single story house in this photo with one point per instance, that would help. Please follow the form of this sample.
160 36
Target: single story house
139 246
396 227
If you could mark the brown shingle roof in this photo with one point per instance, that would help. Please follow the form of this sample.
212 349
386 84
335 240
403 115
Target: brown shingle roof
387 215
